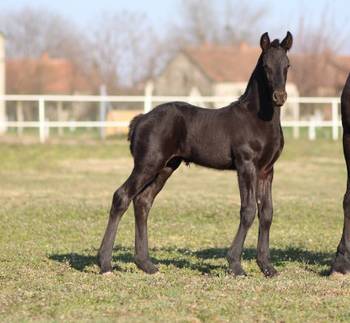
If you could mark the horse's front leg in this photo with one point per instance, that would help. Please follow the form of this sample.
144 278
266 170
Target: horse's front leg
247 185
341 262
265 212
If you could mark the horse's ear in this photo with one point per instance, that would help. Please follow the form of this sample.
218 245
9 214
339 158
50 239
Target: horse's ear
265 41
287 42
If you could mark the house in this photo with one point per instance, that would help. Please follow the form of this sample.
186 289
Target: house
47 75
50 75
212 70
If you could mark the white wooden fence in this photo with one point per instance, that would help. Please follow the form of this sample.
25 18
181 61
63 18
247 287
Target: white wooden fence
149 101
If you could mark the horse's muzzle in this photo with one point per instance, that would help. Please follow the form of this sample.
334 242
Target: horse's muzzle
279 97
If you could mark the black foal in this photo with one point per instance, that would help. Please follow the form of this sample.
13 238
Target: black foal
245 136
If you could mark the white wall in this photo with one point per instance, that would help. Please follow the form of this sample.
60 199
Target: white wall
228 89
180 76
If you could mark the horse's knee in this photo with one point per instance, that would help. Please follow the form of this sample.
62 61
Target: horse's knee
120 201
143 202
248 215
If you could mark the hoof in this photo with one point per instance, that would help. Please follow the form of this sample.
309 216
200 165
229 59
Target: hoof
146 266
236 269
105 265
269 272
106 269
341 265
107 273
267 269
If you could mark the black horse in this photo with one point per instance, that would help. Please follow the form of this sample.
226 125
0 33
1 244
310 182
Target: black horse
245 136
341 263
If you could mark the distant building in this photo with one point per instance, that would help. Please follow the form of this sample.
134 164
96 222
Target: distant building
47 75
225 71
212 70
50 75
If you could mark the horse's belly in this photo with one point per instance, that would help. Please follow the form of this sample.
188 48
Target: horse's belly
212 158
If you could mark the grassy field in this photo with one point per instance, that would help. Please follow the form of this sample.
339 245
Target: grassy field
54 204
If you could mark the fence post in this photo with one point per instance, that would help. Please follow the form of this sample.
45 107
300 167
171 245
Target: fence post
42 120
20 116
312 130
60 116
296 129
103 111
148 97
335 130
296 132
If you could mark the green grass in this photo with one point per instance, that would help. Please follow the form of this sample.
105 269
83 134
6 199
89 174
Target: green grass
54 205
31 135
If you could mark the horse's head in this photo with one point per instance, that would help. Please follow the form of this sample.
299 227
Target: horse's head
275 64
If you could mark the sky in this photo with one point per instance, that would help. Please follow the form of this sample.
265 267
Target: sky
281 15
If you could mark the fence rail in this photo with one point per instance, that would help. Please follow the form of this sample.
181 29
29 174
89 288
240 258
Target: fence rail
148 101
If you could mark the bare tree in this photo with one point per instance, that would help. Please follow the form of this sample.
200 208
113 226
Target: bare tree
123 48
120 49
203 21
325 35
199 23
30 32
315 65
240 21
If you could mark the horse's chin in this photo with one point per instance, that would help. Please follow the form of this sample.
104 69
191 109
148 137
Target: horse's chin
279 104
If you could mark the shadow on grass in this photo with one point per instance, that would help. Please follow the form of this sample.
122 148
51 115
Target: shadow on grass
198 259
279 257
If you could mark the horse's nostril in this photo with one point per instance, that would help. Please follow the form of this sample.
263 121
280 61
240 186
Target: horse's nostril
279 96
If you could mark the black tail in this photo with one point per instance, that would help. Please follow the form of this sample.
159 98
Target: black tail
132 127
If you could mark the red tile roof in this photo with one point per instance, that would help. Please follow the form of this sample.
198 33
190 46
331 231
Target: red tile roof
46 75
225 63
236 63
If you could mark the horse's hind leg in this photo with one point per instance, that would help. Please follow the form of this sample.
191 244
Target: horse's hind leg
142 205
121 200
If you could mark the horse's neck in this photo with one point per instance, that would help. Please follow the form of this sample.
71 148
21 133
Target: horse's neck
257 98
